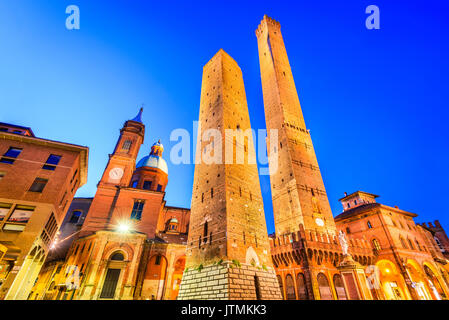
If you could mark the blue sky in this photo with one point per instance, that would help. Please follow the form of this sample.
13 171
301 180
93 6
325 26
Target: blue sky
374 100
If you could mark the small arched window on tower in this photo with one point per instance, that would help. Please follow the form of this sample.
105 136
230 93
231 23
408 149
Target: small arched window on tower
205 232
369 225
126 145
211 192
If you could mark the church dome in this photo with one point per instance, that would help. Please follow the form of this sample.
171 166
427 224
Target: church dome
154 159
174 220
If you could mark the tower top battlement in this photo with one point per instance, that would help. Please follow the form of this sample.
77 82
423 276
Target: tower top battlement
267 21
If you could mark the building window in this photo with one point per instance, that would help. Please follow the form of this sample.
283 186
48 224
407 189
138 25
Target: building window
410 244
147 185
202 197
11 155
158 260
369 225
205 232
211 192
376 245
417 245
75 216
126 145
38 185
4 209
404 245
21 214
159 188
136 214
52 162
135 183
348 231
74 176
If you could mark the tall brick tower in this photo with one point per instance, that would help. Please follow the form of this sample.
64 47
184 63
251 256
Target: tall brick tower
228 254
303 219
299 196
118 173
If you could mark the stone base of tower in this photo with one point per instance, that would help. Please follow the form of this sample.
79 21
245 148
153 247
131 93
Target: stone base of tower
227 281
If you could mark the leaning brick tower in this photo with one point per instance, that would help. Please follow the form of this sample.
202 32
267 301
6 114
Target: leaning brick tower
301 209
299 196
228 253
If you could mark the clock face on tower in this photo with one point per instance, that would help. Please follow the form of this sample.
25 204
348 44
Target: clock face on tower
319 222
116 173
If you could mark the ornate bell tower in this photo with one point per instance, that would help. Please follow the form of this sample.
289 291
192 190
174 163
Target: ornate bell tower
117 174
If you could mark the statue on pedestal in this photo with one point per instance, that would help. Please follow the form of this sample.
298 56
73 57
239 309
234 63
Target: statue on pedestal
343 242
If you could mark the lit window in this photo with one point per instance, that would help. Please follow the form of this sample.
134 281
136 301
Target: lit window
52 162
4 209
136 214
38 185
75 216
376 245
11 155
21 214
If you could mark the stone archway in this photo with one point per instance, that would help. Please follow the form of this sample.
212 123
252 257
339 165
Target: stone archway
324 287
434 283
290 288
178 270
391 281
154 283
302 287
419 280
